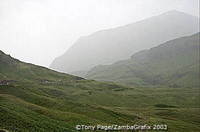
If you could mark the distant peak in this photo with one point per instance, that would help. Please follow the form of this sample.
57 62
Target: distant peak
176 12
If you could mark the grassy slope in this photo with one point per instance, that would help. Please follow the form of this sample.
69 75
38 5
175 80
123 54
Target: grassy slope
31 104
174 63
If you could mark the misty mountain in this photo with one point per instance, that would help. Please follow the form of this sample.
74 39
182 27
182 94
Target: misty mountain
108 46
174 63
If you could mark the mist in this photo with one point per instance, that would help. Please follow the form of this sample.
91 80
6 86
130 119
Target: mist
37 31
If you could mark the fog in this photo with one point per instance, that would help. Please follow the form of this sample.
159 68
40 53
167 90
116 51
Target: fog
37 31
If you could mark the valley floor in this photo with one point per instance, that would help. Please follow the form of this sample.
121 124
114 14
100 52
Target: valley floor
60 107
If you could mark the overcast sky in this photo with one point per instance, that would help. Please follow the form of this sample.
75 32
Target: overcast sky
37 31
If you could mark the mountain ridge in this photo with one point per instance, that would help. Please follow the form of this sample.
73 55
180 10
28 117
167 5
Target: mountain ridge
111 45
155 64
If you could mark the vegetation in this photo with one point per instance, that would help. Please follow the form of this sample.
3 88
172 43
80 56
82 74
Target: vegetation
174 64
39 99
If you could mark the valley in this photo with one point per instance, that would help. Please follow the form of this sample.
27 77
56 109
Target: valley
143 74
31 105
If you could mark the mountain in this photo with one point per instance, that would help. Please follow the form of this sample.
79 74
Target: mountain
34 98
174 63
108 46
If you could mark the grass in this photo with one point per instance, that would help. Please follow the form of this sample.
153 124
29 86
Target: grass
60 107
44 100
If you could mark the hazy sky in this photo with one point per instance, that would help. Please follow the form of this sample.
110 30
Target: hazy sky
37 31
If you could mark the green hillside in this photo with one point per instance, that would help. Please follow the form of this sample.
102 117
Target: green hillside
34 98
38 99
174 63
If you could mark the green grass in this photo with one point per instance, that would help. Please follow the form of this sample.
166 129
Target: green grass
45 107
31 104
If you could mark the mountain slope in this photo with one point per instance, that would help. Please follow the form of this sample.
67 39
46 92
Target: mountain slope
109 46
174 63
34 98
